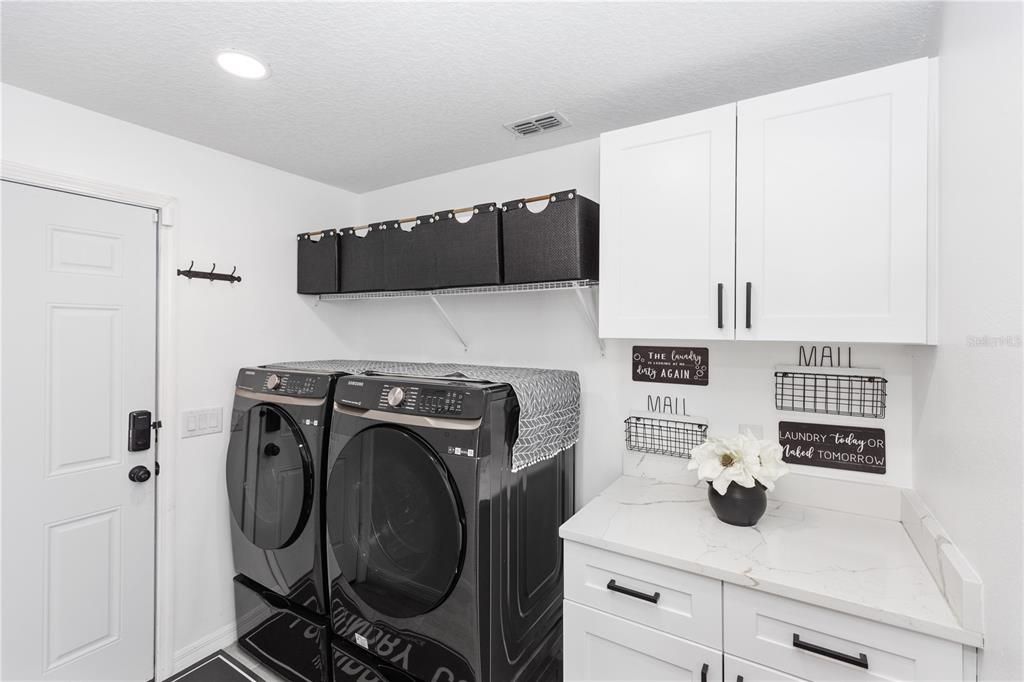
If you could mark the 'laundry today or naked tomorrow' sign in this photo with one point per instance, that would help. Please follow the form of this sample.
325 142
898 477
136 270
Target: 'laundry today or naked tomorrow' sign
835 447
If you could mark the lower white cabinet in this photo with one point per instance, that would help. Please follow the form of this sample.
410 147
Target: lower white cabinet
738 670
682 604
823 645
625 618
600 646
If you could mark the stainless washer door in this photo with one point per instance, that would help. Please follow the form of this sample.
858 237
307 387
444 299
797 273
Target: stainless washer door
394 521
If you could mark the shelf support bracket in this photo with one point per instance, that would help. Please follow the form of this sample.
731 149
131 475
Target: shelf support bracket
589 304
448 321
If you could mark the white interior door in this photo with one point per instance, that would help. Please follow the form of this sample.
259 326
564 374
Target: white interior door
79 354
831 211
668 228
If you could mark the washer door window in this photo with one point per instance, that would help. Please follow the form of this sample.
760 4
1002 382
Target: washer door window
270 476
395 522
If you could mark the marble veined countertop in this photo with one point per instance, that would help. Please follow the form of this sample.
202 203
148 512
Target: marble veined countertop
855 564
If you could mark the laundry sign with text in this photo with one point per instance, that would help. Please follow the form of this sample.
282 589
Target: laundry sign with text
835 447
670 365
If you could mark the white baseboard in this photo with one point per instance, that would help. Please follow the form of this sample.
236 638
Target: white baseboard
218 639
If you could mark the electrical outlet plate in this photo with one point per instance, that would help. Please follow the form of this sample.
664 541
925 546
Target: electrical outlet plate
755 430
202 422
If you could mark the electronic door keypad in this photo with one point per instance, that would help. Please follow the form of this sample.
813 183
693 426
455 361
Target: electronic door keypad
140 424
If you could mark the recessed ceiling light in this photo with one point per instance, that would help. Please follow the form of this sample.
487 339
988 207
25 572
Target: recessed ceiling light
242 65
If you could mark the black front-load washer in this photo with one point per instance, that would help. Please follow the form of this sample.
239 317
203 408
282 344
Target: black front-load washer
442 562
274 478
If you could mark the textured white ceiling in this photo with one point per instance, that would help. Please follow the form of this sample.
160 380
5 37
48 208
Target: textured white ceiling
365 95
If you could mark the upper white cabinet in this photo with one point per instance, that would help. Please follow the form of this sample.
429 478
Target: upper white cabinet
831 210
667 228
804 212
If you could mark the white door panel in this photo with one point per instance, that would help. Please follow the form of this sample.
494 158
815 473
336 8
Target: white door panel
667 227
600 646
79 354
739 670
831 213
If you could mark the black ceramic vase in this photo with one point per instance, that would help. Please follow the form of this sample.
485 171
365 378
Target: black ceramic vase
739 506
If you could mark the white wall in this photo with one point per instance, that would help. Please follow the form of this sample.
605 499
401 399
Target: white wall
232 212
549 330
967 391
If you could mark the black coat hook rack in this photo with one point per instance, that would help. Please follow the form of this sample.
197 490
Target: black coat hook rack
211 275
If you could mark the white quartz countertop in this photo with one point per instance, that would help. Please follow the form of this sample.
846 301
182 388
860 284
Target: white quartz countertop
855 564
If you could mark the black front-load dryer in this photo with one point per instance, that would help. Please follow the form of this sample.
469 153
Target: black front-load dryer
274 479
442 563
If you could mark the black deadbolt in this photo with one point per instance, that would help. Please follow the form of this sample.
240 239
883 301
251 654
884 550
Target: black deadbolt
272 450
139 474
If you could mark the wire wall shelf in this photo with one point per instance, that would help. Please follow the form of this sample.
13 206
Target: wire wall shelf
659 436
585 290
847 395
463 291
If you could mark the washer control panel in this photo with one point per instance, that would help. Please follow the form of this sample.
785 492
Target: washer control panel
423 400
450 398
296 384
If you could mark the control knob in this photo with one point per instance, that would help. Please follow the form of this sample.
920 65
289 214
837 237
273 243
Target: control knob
273 381
395 396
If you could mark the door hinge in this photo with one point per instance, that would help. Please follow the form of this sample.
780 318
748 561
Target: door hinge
156 468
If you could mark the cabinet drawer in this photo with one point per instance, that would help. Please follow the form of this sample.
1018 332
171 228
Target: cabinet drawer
738 670
686 605
827 646
600 646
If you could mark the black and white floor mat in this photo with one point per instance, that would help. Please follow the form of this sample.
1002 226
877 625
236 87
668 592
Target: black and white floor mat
217 667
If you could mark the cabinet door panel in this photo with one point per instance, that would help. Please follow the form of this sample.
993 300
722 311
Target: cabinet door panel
599 646
668 227
738 670
831 218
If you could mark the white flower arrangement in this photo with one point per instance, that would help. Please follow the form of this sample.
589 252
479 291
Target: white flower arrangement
743 459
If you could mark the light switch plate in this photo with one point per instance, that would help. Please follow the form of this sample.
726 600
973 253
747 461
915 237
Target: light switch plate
202 422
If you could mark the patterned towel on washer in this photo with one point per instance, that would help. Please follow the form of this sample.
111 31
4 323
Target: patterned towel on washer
549 399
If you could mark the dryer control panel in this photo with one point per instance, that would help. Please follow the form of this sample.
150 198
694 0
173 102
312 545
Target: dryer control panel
451 398
283 382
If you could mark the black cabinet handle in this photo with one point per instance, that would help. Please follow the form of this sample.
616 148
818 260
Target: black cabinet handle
653 598
749 287
704 673
861 660
721 293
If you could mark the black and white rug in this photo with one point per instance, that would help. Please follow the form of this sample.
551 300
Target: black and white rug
217 667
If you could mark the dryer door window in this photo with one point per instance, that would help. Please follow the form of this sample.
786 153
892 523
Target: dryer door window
270 476
395 522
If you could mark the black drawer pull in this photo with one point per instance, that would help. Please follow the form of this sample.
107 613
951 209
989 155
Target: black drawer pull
704 673
861 661
653 598
721 294
749 287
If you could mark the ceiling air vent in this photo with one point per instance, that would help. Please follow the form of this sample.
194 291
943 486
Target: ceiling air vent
535 125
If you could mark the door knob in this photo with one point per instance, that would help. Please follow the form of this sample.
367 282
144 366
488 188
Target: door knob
139 474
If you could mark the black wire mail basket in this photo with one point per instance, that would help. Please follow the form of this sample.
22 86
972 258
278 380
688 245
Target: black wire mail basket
658 436
847 395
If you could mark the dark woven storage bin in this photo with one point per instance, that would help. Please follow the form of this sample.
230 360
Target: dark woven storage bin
319 262
365 259
468 253
412 254
557 243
